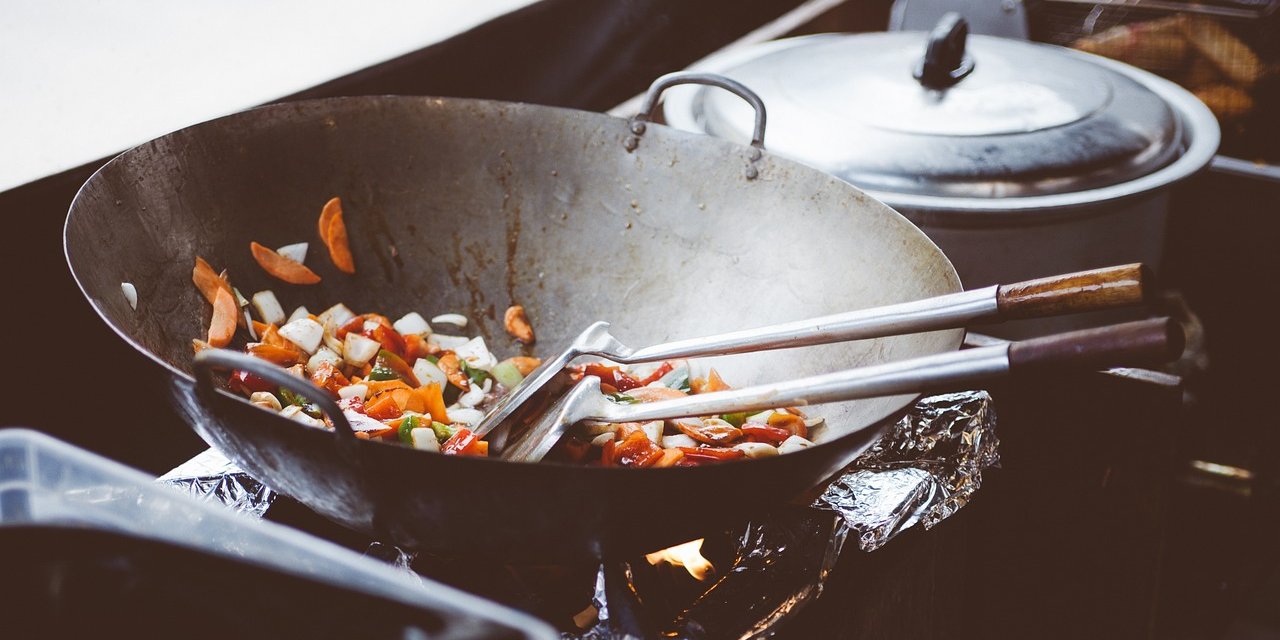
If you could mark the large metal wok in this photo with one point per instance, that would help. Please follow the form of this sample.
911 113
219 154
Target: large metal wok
470 206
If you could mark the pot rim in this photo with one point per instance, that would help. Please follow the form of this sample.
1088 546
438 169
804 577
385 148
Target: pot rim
1200 133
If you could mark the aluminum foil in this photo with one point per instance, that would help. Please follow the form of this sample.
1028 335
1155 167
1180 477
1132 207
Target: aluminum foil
924 469
211 477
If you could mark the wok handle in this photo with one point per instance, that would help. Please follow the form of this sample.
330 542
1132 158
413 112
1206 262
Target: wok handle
1069 293
1104 288
1145 342
669 80
209 359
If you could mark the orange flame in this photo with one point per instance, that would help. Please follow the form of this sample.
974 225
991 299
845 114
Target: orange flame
687 555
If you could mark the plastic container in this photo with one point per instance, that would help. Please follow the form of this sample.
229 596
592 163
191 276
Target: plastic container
91 546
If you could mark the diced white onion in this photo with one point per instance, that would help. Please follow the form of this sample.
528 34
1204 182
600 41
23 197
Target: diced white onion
370 325
653 429
130 294
411 324
338 313
294 412
424 438
756 449
268 307
678 440
469 417
361 422
476 354
593 428
447 342
813 422
248 322
323 355
353 391
456 319
304 332
600 440
760 418
265 399
794 443
296 252
300 312
427 372
359 350
472 397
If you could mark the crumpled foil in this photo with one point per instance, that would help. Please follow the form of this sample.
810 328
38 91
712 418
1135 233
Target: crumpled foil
211 477
923 470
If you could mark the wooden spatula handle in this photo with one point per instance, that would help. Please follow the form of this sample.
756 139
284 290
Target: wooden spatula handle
1076 292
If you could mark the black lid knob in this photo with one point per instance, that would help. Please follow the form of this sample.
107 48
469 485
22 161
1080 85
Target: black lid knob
945 62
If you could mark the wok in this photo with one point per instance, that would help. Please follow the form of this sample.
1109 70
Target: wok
457 205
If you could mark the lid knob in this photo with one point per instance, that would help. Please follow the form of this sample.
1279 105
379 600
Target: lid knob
945 62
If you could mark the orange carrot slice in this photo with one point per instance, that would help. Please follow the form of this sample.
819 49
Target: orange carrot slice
223 324
281 267
433 400
339 245
331 208
208 281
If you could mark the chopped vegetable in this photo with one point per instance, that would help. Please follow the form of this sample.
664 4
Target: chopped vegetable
339 314
223 325
517 324
333 231
207 280
507 374
405 430
427 371
283 268
411 324
330 209
424 438
303 332
296 252
456 319
358 350
268 307
130 294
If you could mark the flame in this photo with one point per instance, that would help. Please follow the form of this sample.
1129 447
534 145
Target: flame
687 555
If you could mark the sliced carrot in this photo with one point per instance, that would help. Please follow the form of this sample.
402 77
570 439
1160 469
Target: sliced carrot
402 398
223 324
281 267
382 433
376 387
260 329
669 458
339 245
433 401
478 448
208 281
383 407
282 356
331 208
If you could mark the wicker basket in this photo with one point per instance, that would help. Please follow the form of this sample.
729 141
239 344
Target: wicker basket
1226 52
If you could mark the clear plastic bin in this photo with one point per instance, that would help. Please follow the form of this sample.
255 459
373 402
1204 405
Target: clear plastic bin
89 545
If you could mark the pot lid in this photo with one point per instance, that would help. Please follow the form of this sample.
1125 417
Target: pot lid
978 117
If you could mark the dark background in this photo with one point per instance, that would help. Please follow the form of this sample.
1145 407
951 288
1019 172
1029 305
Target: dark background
68 375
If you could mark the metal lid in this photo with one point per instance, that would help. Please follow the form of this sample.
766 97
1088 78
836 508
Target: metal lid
980 118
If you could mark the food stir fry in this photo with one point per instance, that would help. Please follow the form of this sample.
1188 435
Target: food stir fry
679 442
402 382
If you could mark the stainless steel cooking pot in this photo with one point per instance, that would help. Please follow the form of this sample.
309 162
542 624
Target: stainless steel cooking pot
1018 159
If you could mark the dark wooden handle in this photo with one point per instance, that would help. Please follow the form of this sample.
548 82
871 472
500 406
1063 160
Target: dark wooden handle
1105 288
1132 344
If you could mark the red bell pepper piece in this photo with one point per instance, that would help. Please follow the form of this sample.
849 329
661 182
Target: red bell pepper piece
247 383
765 433
637 450
460 442
612 376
